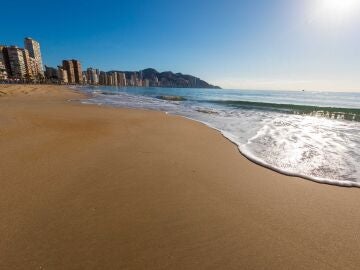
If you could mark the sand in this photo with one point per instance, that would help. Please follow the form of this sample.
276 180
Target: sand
89 187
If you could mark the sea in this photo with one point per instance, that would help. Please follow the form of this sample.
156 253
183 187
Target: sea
313 135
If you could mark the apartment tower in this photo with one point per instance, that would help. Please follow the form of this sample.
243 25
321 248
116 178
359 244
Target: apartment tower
69 67
34 52
30 65
62 75
17 62
77 71
121 79
4 63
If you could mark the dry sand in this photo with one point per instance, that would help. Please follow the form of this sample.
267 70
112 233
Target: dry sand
88 187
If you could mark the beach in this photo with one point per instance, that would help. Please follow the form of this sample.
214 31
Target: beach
95 187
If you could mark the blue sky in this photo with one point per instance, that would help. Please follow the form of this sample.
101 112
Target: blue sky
264 44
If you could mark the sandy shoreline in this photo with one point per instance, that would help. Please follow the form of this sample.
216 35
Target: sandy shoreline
89 187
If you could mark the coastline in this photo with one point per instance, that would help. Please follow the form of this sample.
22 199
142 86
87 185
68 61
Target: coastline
94 187
242 149
259 162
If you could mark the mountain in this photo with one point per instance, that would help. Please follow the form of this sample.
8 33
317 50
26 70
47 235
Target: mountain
167 79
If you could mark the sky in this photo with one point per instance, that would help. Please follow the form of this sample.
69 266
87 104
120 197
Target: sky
250 44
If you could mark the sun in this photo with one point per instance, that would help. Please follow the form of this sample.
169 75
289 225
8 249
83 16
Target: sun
337 9
339 6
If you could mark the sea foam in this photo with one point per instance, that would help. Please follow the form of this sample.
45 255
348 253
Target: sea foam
314 146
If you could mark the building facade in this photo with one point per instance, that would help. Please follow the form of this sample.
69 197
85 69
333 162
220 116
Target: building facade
4 63
114 75
51 73
62 75
121 79
30 65
85 78
146 83
17 63
34 52
92 76
102 78
77 71
69 67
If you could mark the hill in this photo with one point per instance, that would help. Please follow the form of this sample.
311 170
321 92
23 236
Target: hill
167 79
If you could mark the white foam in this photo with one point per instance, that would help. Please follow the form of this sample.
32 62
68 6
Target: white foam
314 148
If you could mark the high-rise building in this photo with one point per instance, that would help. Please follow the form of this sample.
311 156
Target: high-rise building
114 78
77 71
69 67
92 76
121 79
102 78
146 83
89 76
34 52
51 73
17 62
30 65
156 81
110 79
134 79
5 54
2 58
85 77
97 76
62 75
4 63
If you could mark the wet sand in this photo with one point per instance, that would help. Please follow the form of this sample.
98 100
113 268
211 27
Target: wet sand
89 187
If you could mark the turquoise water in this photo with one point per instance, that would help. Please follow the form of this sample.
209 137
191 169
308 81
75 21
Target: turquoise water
314 135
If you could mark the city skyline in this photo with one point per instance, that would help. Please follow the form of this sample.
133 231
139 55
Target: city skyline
25 65
281 45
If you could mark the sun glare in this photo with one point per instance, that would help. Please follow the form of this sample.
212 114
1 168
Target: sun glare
337 9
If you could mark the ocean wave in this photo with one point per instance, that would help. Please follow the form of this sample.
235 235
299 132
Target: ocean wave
286 138
351 114
172 98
